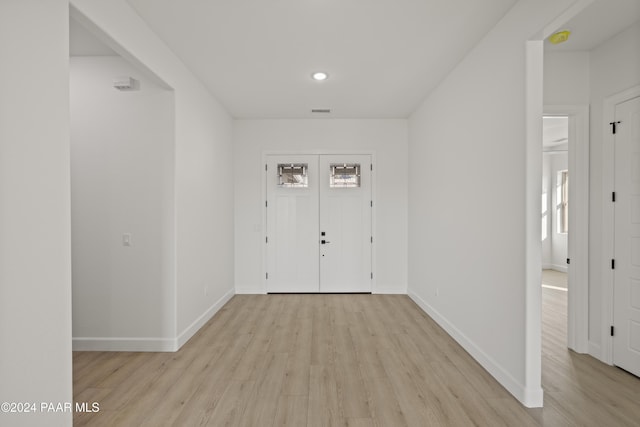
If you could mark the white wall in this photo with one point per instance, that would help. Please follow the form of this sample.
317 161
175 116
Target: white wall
121 182
387 139
467 241
615 66
203 164
35 256
566 78
554 253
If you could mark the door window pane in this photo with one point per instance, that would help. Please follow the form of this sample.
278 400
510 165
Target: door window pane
293 175
344 175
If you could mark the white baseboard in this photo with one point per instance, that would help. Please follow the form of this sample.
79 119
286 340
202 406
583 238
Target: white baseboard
389 289
150 344
556 267
560 268
123 344
250 291
204 318
529 397
385 291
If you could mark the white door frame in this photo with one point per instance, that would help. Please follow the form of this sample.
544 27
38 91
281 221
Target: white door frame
263 195
608 223
578 245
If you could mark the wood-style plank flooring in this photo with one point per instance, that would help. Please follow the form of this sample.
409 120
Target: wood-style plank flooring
554 279
341 360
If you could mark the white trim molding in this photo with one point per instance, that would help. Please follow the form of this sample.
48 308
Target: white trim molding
532 388
555 267
124 344
531 393
388 292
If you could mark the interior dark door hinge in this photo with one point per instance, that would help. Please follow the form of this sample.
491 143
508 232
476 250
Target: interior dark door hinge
372 275
266 276
613 196
568 260
612 330
265 167
371 203
266 204
613 126
266 239
613 264
371 239
371 166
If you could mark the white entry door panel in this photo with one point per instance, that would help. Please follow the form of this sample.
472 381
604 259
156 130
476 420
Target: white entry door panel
292 224
318 212
345 220
626 340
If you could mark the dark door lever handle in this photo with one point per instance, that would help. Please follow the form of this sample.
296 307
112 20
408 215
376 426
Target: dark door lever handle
324 242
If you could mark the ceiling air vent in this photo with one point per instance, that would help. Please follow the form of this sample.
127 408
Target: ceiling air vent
320 110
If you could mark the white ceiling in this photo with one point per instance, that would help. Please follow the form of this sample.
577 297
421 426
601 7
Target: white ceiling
383 56
555 133
83 43
596 24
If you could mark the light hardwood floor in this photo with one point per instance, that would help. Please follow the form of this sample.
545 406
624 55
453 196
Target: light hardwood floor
344 360
554 278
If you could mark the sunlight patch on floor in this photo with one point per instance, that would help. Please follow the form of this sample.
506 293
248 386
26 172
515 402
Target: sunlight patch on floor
555 287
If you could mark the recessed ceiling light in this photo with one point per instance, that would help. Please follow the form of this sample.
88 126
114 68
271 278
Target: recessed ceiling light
319 76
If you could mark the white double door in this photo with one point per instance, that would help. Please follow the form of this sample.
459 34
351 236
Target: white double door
626 337
318 212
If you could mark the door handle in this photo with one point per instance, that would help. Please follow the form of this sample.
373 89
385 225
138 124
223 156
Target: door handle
324 242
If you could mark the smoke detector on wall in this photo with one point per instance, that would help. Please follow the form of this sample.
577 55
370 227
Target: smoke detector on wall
559 36
125 83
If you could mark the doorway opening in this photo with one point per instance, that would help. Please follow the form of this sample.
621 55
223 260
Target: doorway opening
122 198
555 228
555 197
564 222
